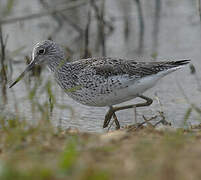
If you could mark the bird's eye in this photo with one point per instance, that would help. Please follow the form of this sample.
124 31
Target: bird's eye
41 51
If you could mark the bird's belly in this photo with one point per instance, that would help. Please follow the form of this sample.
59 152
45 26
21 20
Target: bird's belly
101 100
115 96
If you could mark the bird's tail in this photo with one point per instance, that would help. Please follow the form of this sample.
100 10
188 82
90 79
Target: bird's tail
171 66
179 63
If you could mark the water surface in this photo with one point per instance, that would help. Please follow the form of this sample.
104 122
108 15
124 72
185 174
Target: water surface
178 37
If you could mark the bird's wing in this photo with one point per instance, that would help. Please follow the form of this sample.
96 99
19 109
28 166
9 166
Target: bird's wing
114 67
123 71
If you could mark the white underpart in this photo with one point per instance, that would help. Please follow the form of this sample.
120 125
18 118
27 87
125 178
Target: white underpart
134 89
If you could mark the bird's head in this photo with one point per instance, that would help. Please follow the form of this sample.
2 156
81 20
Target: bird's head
45 52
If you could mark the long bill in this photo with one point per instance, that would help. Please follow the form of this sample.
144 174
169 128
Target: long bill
28 68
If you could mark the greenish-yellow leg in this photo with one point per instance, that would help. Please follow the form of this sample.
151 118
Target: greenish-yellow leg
112 110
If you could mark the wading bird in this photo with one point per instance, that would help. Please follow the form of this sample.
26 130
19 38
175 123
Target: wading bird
101 81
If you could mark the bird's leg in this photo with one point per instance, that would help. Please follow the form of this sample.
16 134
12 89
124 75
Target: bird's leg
147 103
112 110
108 117
116 121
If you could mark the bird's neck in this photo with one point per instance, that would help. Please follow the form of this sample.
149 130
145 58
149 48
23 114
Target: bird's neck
56 63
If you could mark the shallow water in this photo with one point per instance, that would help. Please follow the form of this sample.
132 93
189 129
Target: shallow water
178 38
